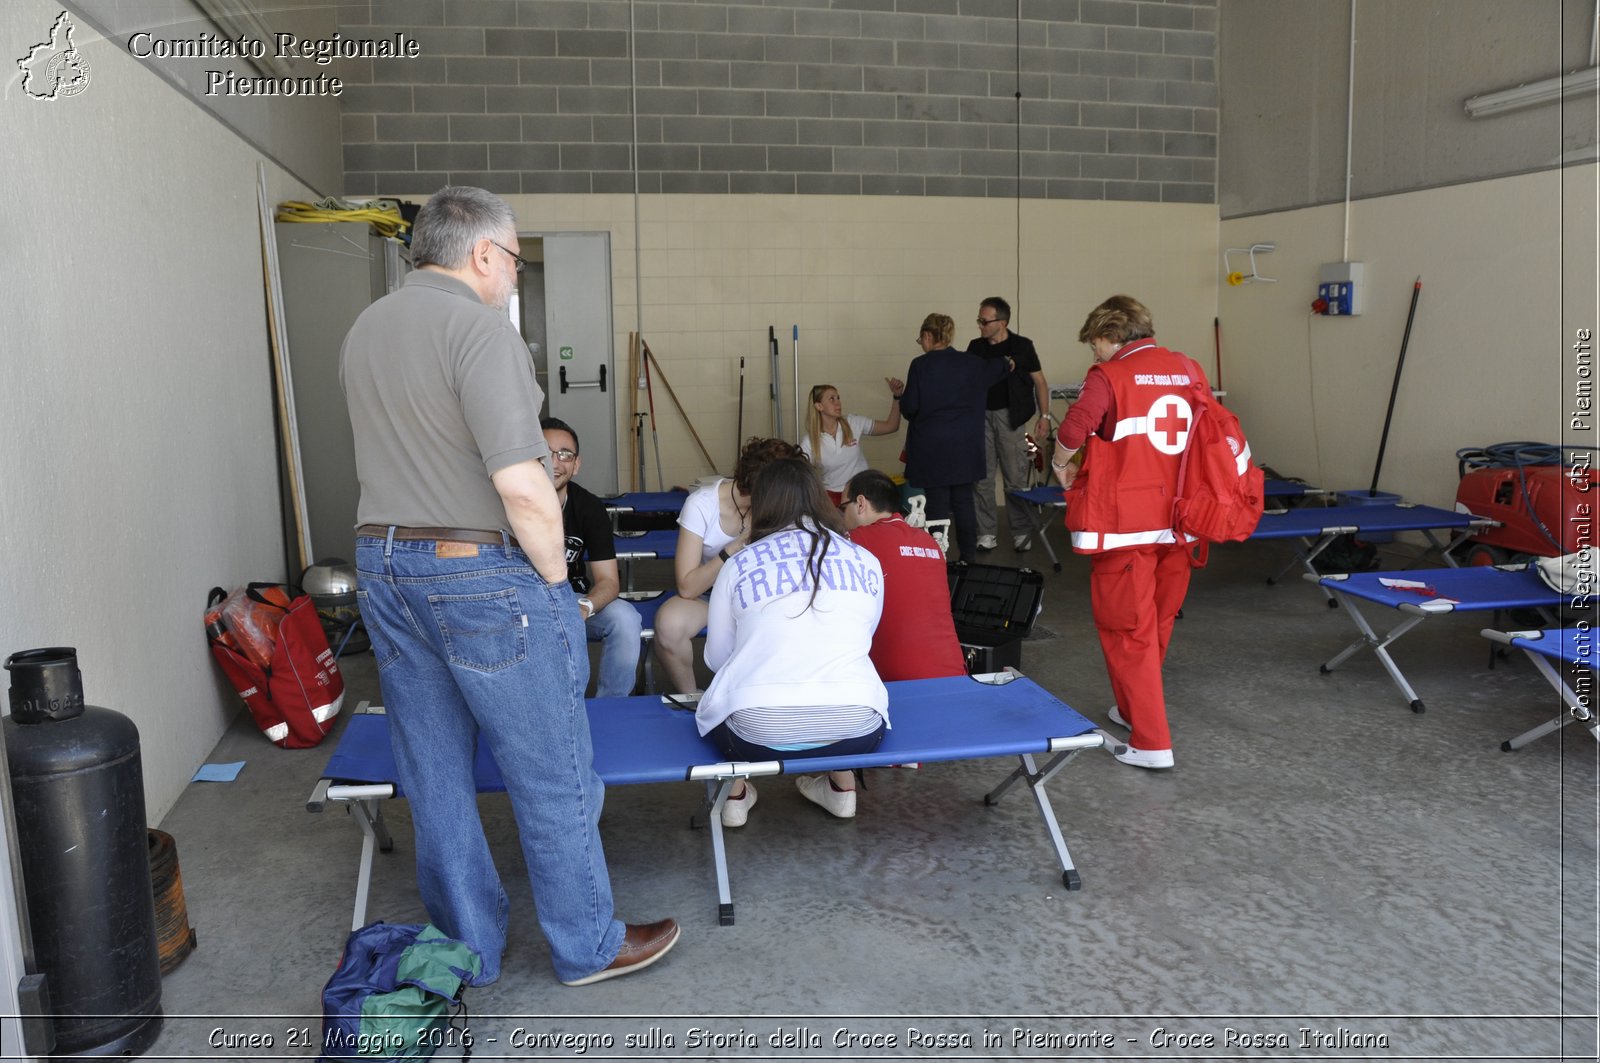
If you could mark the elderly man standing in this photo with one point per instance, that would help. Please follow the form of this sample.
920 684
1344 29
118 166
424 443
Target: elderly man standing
1011 405
464 592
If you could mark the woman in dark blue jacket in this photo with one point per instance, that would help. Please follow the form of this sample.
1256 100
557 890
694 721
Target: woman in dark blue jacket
943 402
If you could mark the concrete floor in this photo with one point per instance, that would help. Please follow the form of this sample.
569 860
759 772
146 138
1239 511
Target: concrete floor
1321 858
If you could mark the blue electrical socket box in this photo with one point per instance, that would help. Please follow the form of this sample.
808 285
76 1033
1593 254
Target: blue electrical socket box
1336 296
1342 285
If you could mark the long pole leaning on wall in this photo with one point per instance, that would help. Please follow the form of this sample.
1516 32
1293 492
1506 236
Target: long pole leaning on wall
299 552
635 448
777 380
650 394
1394 388
653 365
639 382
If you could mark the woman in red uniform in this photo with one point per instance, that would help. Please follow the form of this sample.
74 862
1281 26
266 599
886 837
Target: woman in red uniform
1132 421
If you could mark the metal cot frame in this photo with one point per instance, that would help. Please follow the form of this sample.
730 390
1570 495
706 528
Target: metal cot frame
1446 590
1039 499
1317 527
650 739
1573 646
650 544
1049 496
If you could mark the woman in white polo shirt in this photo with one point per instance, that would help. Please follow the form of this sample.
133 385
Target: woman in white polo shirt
833 438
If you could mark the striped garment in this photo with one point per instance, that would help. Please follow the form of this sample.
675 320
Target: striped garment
803 726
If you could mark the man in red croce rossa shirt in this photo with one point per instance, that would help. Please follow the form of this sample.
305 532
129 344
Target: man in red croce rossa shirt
916 636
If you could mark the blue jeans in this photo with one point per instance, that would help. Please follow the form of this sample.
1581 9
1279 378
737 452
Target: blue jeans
483 645
617 628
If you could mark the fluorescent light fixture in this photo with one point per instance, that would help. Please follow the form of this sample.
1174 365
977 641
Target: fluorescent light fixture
1534 93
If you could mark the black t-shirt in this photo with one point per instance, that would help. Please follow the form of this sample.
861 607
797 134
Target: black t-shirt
587 526
1020 350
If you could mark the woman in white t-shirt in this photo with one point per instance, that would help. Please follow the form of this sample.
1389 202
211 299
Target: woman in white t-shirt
789 635
713 524
833 438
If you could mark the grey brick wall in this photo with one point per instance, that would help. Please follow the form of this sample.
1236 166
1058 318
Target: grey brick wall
1118 98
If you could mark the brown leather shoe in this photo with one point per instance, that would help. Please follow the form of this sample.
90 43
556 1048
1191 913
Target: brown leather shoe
644 944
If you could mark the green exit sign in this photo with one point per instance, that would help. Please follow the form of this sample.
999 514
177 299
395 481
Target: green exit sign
566 354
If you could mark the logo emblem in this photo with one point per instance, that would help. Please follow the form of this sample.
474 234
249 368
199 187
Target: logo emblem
1168 424
55 68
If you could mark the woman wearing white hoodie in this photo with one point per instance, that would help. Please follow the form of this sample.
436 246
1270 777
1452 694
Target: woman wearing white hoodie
788 636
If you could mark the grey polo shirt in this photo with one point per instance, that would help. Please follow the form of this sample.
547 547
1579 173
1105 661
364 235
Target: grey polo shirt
441 394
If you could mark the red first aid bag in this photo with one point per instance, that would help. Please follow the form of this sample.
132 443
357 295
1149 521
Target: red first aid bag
296 695
1220 492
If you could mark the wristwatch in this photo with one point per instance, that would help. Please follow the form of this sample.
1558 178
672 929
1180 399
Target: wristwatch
587 604
723 553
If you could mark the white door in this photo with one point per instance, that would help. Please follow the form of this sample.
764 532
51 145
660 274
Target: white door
580 381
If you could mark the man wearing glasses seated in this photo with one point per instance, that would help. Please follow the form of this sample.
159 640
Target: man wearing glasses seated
608 619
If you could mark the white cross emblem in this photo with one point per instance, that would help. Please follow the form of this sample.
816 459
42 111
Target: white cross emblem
1167 424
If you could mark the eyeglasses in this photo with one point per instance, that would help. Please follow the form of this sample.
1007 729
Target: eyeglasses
563 454
521 262
983 322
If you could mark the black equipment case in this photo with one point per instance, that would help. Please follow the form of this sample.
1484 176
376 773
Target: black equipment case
994 608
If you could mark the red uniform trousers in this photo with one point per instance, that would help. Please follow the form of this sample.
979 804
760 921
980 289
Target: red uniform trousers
1136 593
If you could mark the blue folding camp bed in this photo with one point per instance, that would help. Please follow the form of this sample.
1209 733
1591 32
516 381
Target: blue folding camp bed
1274 488
1045 496
662 543
1573 647
648 603
1050 496
1318 526
644 502
1421 593
647 502
647 740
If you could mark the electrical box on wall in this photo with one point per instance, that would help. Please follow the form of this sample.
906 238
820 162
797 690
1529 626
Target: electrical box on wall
1341 289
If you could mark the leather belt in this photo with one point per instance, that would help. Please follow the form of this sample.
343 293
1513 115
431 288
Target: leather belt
457 535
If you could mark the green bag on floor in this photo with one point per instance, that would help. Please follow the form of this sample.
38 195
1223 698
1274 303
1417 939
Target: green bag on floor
395 995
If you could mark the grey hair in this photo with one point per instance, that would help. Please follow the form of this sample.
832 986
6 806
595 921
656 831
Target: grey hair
454 219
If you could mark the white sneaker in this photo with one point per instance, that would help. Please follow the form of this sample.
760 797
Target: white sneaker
1021 543
818 789
735 810
1115 717
1146 758
987 542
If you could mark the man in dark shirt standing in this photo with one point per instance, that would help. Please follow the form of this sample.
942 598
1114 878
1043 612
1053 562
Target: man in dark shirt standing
464 593
608 619
1012 404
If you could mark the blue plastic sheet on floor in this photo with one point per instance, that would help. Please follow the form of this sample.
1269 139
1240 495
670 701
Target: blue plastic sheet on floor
218 772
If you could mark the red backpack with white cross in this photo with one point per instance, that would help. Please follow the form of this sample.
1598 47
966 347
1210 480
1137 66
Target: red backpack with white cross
1220 492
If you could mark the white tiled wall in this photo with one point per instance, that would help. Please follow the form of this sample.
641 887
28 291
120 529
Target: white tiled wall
857 274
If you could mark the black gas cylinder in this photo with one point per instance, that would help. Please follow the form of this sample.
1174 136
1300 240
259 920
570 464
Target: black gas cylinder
78 790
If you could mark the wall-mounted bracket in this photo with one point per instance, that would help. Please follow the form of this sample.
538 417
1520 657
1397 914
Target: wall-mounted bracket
1235 277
